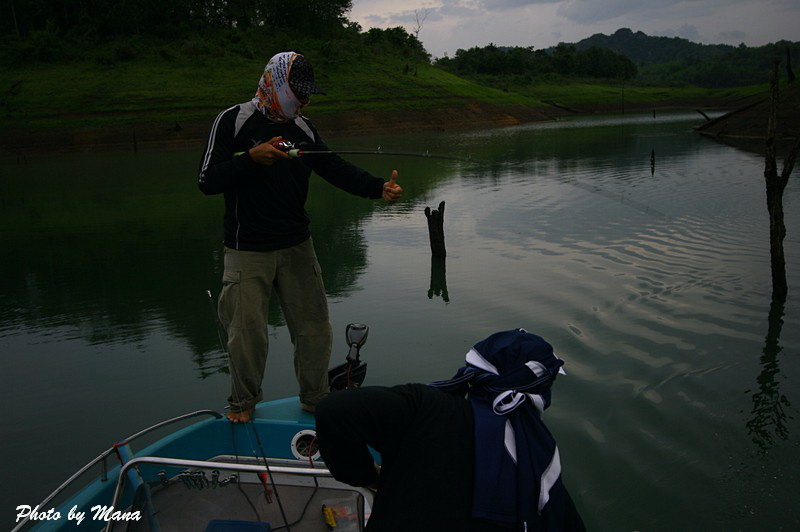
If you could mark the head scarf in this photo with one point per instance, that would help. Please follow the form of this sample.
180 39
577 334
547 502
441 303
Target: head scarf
507 380
274 97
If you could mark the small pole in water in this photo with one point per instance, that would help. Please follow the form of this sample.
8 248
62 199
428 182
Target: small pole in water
436 230
652 161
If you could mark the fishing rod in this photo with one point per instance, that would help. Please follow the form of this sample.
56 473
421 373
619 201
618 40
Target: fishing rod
299 152
222 336
295 151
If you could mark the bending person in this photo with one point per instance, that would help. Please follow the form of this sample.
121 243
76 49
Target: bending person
469 453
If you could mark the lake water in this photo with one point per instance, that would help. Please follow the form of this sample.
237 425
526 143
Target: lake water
652 282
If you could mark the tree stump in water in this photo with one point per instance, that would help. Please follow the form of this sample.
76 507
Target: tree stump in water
776 183
436 230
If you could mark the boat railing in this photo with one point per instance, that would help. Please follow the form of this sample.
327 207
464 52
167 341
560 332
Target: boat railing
157 426
203 464
101 459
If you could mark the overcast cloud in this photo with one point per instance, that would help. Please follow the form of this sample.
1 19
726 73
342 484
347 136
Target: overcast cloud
447 25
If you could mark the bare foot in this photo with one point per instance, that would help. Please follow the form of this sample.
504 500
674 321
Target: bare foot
240 417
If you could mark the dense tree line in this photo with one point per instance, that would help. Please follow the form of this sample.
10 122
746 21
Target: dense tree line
108 19
629 56
674 60
736 67
125 30
397 39
644 49
525 62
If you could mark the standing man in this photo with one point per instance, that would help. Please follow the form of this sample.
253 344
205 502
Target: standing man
268 244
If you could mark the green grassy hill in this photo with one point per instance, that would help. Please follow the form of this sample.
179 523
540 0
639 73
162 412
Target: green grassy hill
171 90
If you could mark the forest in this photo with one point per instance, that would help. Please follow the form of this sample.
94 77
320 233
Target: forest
129 30
625 55
670 60
527 65
95 20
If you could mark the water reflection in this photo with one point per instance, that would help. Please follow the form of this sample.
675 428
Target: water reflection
769 417
648 283
652 162
113 247
438 286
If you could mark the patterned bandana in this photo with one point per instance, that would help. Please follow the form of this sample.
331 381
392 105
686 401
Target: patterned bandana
274 96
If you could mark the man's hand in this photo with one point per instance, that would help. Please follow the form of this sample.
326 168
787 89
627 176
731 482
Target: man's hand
391 190
267 154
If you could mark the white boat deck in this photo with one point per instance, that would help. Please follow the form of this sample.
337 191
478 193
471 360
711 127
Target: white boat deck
243 506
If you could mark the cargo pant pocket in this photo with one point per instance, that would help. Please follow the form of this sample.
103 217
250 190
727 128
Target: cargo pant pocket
229 298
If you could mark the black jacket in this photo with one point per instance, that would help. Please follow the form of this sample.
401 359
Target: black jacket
426 443
265 205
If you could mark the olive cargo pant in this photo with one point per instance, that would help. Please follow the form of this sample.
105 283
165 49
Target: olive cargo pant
247 284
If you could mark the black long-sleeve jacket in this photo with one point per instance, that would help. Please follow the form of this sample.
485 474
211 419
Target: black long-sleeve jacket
426 441
265 205
424 437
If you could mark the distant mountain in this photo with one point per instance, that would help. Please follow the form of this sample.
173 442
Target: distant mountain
643 49
625 55
673 60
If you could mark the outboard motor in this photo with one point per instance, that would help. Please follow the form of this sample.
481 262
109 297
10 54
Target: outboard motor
351 374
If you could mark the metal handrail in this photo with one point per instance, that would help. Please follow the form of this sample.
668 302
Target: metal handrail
196 413
202 464
66 483
105 454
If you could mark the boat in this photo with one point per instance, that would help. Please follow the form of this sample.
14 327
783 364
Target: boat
208 474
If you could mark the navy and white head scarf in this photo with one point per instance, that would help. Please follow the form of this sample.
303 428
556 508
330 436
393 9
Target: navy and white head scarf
507 380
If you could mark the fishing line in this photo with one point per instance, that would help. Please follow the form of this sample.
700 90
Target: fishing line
600 191
293 151
250 424
619 198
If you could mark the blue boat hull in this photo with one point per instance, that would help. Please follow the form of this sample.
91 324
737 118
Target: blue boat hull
276 432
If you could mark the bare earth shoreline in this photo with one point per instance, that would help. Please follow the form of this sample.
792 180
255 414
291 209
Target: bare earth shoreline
159 135
747 122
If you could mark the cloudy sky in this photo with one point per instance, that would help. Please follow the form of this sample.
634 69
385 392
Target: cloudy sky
447 25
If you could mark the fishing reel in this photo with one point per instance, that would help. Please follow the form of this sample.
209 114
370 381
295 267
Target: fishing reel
283 145
287 146
352 373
